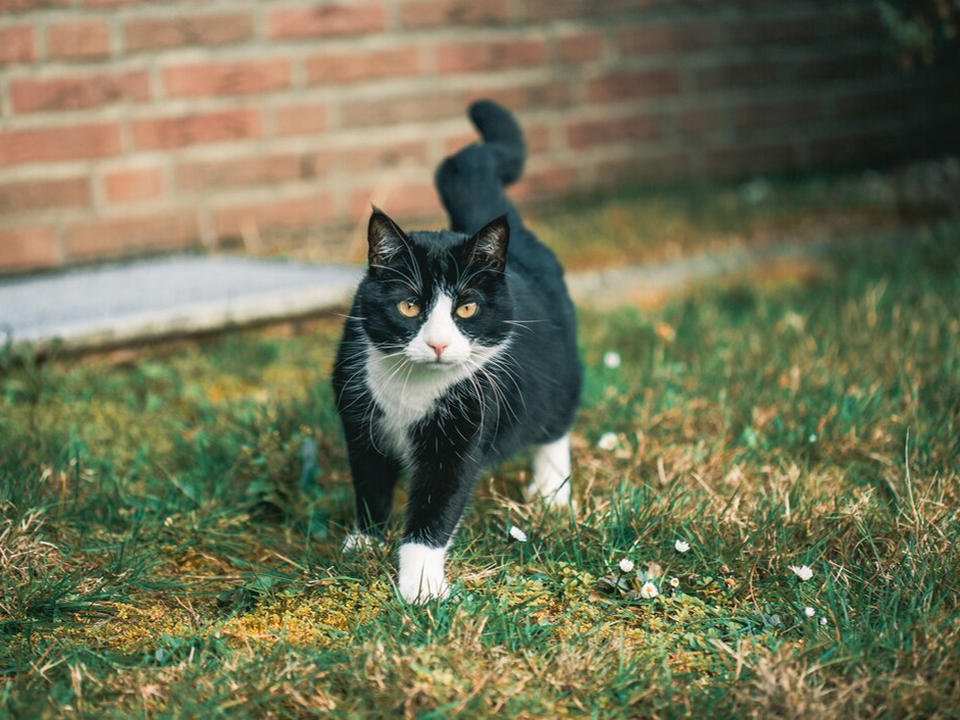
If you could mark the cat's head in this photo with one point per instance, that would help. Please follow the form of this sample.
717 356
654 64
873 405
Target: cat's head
437 299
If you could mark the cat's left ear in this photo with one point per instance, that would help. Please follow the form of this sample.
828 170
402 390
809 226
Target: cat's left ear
489 245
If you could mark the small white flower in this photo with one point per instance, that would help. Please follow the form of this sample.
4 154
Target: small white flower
674 582
802 571
812 438
611 359
608 441
626 565
649 590
681 546
517 534
809 611
823 620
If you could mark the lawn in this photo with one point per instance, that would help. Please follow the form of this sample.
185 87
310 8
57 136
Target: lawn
159 559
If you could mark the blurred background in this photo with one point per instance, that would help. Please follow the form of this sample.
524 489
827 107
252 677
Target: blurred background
131 127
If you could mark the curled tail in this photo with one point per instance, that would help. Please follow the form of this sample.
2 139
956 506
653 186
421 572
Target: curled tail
471 182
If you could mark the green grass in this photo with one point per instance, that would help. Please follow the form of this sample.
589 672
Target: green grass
157 558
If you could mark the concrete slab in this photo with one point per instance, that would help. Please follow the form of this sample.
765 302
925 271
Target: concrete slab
111 305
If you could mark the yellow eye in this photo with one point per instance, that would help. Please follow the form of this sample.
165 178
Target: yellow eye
408 308
467 310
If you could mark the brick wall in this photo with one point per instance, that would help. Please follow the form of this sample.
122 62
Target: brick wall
130 127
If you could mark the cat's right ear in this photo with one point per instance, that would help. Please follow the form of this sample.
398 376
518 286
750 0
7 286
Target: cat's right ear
385 240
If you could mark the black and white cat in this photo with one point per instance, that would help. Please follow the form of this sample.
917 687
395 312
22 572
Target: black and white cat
460 350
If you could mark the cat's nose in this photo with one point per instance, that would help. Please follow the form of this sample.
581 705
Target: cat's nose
438 348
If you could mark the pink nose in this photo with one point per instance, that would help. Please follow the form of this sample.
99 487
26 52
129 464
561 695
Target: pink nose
438 348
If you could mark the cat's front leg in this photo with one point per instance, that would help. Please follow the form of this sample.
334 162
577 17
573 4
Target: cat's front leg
440 488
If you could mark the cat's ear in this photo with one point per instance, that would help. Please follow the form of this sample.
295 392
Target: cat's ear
385 240
489 246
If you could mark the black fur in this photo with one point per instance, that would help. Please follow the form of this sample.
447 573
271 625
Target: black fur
527 396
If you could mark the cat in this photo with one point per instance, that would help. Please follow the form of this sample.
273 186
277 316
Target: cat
459 351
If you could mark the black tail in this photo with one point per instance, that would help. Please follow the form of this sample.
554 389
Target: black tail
471 182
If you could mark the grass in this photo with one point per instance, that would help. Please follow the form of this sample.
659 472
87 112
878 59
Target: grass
158 558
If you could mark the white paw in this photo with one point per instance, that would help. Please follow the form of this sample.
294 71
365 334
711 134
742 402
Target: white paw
359 542
553 495
422 576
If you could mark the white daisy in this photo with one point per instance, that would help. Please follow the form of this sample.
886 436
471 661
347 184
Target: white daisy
608 441
681 546
649 590
611 359
674 582
626 565
802 571
823 621
809 611
517 534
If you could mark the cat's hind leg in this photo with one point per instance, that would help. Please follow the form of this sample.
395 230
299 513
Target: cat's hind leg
551 473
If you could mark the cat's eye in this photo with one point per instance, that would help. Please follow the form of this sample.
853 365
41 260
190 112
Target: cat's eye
467 310
408 308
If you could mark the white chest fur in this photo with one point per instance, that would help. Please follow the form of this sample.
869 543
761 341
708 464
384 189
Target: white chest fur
406 392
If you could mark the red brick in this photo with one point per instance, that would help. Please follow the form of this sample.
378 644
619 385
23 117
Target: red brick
546 182
407 200
160 231
79 39
108 3
864 24
183 130
189 30
133 184
78 92
667 38
16 44
537 95
238 172
401 109
447 13
537 138
880 102
368 158
326 21
855 66
232 78
556 9
14 6
756 116
777 31
28 247
461 57
585 133
732 76
697 121
657 166
855 147
750 160
638 84
261 217
27 195
330 67
581 47
305 119
74 142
